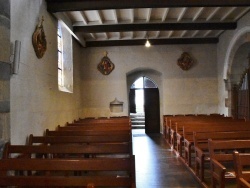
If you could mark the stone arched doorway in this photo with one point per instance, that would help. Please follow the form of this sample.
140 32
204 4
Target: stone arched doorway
144 106
237 74
240 77
150 94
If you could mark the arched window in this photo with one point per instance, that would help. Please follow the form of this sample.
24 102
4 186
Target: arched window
143 82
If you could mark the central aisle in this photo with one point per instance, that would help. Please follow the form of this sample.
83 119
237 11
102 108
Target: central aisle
156 165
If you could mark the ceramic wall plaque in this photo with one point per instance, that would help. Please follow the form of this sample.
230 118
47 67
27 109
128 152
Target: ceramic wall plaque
185 62
39 40
105 66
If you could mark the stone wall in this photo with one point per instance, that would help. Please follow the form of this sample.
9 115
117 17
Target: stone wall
4 101
4 73
4 30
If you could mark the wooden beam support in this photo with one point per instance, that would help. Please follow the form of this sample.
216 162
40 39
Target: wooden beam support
67 24
155 27
79 5
141 42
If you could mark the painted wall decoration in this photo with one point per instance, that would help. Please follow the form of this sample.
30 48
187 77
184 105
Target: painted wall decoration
105 66
185 61
39 40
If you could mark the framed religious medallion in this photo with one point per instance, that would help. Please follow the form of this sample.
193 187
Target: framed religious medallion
185 61
105 66
39 40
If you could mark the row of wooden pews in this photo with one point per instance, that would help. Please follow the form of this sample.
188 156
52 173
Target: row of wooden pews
202 157
191 138
91 153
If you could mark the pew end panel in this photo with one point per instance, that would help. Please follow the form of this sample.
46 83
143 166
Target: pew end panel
222 161
242 169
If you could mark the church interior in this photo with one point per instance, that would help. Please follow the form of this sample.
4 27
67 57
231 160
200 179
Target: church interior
161 71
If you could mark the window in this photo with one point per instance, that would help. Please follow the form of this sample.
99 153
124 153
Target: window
65 60
60 58
143 82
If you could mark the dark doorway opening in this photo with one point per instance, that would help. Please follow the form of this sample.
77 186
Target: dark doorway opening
144 105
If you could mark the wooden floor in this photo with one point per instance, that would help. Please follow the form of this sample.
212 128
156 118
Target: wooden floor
156 165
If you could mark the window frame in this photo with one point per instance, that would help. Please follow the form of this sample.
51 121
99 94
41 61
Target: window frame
65 58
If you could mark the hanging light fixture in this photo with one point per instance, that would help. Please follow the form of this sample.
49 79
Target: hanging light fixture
147 44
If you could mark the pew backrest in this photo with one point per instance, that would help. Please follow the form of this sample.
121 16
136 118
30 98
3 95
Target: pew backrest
86 139
53 178
226 145
50 151
95 127
201 138
87 132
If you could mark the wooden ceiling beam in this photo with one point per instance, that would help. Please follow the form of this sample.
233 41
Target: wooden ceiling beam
80 5
155 27
141 42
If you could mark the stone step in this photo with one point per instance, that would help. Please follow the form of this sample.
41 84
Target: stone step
138 122
138 127
138 119
137 115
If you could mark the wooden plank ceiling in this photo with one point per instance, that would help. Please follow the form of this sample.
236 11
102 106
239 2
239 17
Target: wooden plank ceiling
130 22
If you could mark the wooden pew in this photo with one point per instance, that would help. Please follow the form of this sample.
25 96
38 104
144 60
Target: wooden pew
178 131
187 137
98 123
165 127
201 146
104 120
86 139
176 124
190 125
241 161
68 150
171 119
221 154
55 172
87 132
95 127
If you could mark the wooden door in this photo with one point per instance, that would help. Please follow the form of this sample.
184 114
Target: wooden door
152 110
132 105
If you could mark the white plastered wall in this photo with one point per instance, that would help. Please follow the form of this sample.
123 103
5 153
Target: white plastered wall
36 102
181 92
